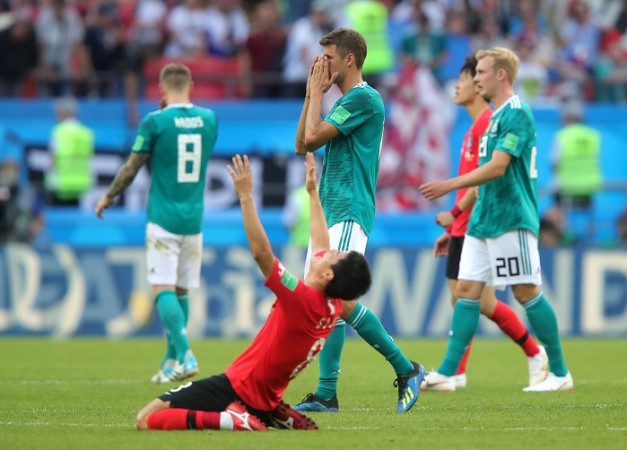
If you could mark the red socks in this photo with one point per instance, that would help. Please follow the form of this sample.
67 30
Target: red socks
461 369
183 419
507 320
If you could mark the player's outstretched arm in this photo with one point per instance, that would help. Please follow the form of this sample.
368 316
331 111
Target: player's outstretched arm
494 168
317 222
122 180
258 241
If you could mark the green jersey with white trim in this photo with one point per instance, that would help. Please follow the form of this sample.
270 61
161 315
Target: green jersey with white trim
351 159
509 202
180 139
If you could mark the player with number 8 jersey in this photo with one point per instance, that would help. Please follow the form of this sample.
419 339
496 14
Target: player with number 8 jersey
179 139
512 129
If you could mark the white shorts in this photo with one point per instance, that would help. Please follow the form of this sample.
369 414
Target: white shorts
173 259
507 260
343 236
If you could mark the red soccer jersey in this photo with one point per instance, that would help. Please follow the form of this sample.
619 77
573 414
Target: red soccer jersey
469 160
294 333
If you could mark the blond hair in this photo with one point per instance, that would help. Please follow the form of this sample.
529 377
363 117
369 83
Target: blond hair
175 77
504 59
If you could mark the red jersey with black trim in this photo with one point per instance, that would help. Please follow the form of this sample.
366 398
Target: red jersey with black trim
469 160
297 328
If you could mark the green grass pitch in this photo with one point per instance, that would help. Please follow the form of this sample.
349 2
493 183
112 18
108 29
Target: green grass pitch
84 394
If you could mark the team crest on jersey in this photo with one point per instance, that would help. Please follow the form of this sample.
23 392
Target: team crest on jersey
287 279
340 115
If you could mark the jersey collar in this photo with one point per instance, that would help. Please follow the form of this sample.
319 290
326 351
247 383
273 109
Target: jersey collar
180 105
504 104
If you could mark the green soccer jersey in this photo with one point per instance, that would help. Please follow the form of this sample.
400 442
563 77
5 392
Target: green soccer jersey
509 202
180 139
351 159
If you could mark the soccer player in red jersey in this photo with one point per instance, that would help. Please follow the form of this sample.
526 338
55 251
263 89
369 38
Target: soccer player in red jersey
249 394
451 241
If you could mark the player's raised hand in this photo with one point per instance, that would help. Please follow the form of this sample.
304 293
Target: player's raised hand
103 204
311 181
444 218
440 248
321 80
434 189
242 175
311 69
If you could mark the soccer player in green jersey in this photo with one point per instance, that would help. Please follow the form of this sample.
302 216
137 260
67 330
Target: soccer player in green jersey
501 244
178 140
351 132
451 242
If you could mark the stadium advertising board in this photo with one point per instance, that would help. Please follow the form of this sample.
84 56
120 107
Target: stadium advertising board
67 292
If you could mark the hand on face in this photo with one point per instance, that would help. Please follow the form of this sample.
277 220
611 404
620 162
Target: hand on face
242 175
320 80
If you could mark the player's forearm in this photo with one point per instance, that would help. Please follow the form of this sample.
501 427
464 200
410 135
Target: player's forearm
257 238
122 180
318 223
468 199
301 148
126 174
312 123
481 175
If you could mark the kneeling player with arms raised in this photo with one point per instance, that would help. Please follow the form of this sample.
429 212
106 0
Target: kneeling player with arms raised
249 395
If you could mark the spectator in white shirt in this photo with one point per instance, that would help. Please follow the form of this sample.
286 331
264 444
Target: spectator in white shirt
187 25
302 47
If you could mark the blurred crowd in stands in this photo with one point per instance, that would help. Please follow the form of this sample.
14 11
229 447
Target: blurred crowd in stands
571 52
263 49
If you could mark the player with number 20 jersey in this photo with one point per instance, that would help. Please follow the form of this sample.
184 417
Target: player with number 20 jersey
509 202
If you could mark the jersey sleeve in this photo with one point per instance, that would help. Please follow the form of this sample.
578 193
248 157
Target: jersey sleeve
351 112
213 118
514 133
283 283
145 136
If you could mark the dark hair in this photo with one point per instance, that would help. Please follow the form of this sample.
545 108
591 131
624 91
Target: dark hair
351 277
347 41
470 66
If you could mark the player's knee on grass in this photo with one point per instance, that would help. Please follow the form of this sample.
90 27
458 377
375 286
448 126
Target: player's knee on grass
141 421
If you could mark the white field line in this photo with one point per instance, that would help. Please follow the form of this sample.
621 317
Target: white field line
357 428
141 381
47 382
70 424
